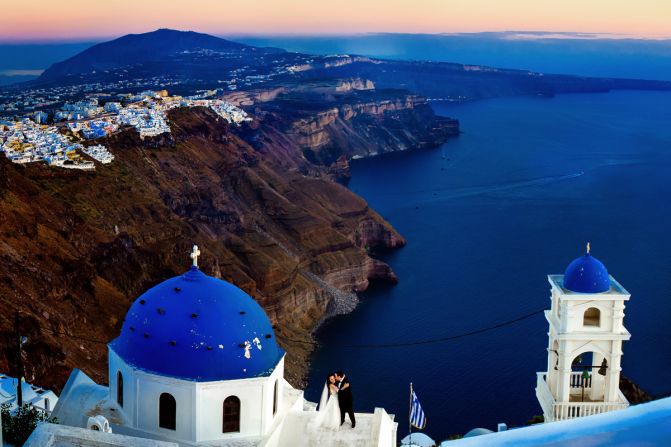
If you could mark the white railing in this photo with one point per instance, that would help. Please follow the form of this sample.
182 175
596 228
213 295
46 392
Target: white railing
576 381
570 410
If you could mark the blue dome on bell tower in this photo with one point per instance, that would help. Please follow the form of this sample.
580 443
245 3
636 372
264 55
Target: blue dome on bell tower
586 274
200 328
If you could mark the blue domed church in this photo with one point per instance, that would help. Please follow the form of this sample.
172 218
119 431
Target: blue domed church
586 332
215 346
197 363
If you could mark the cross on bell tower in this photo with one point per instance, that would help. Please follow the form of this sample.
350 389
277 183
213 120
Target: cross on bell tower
195 252
585 342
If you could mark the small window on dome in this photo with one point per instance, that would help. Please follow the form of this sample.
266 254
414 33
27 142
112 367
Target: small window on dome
231 422
167 412
592 317
119 388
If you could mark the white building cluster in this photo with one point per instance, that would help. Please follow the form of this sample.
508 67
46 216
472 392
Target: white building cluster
78 110
148 121
26 141
226 110
99 153
35 396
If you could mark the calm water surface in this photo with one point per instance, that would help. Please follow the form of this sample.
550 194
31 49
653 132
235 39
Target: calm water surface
487 216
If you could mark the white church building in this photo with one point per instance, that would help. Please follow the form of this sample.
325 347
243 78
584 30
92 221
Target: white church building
585 343
197 364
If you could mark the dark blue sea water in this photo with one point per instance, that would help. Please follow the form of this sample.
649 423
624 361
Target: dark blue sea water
17 60
487 216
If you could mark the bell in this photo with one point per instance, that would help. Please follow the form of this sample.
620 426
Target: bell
604 366
556 361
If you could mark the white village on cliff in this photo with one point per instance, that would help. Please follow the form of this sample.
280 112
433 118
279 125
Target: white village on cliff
197 364
60 145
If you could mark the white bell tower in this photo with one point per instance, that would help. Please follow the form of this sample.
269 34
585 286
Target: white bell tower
585 342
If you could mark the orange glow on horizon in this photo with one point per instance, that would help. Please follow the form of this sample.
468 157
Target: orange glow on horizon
79 19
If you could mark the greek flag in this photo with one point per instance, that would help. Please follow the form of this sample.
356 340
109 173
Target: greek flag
417 418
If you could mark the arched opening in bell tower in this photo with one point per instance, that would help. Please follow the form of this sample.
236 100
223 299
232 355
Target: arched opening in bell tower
592 317
587 381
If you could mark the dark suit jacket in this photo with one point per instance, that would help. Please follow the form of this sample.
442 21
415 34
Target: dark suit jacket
345 395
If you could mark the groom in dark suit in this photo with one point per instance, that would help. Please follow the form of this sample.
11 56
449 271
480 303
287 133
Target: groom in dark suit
345 398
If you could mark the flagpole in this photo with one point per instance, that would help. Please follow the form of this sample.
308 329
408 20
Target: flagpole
410 416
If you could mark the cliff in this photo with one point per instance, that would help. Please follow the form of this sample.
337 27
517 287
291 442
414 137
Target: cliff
331 128
460 82
321 136
76 248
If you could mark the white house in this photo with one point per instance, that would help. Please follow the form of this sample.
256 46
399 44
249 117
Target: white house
37 397
585 342
197 363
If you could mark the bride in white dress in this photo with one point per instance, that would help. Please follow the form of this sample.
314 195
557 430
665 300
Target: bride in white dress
329 409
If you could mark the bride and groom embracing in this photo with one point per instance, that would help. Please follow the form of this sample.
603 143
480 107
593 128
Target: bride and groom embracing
336 401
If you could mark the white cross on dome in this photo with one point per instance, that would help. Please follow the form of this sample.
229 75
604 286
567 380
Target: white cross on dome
194 255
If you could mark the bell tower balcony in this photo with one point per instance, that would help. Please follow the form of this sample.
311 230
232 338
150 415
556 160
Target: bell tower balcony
581 399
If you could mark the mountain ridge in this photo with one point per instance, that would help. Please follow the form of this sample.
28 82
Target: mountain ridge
140 48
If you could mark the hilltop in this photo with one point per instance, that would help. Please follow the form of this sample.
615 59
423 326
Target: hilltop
160 46
163 54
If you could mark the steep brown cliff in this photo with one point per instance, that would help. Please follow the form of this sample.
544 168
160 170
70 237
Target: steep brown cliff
359 124
77 248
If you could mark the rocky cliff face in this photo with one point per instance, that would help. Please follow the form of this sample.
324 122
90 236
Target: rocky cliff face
367 128
76 248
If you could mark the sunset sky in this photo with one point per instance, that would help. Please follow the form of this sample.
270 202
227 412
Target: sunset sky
81 19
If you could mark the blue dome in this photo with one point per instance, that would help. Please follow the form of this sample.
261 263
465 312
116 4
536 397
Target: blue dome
196 327
477 432
586 274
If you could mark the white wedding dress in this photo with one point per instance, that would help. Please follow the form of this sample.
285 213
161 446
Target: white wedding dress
329 410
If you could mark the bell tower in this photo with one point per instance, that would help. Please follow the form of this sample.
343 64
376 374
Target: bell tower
585 334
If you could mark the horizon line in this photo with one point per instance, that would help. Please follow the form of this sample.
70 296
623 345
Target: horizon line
538 35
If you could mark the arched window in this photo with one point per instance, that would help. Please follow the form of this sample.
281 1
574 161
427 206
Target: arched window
592 317
119 388
275 391
167 412
231 415
46 404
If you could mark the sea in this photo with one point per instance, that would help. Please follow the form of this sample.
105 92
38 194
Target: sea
487 216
